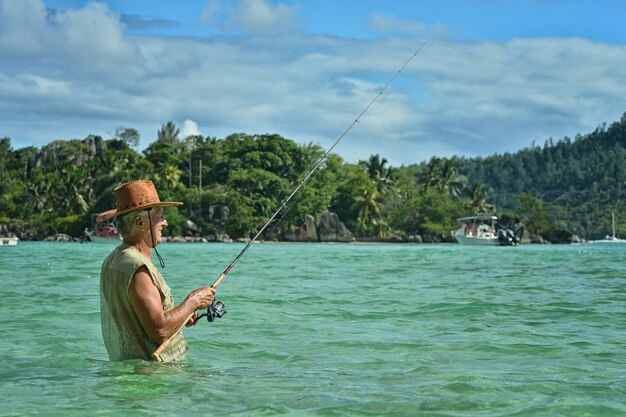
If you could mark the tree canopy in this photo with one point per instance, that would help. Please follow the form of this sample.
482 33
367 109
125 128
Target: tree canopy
237 182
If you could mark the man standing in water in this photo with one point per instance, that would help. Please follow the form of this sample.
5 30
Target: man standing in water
137 308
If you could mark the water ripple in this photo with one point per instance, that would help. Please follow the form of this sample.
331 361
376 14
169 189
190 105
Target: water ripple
328 330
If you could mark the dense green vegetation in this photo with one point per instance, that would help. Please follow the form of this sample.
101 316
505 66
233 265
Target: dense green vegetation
575 182
234 184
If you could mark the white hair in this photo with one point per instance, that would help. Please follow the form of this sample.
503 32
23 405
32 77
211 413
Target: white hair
125 221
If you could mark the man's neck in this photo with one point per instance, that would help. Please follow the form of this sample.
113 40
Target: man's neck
141 246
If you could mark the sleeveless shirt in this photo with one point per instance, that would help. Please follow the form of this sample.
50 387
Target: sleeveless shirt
123 334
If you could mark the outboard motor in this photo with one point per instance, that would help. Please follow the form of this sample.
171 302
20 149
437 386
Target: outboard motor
506 237
520 231
502 238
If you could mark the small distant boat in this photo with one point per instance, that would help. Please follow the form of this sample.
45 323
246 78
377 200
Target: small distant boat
481 231
103 232
612 238
8 241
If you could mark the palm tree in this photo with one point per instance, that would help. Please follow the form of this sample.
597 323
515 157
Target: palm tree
450 181
37 196
376 166
478 196
442 175
172 176
368 206
431 177
379 172
168 133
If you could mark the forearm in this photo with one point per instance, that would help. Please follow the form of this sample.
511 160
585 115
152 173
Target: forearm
173 320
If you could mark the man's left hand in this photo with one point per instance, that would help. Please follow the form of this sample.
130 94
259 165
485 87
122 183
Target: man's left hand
192 320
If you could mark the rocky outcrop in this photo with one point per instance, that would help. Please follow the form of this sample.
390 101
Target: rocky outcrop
24 231
186 239
190 229
538 239
60 237
193 233
219 235
95 148
305 233
561 236
331 229
10 230
414 239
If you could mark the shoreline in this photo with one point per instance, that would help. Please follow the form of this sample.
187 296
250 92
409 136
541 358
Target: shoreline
356 241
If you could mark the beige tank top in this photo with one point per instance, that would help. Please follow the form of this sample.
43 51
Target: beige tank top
124 337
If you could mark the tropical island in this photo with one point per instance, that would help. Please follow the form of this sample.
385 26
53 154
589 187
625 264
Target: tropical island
563 191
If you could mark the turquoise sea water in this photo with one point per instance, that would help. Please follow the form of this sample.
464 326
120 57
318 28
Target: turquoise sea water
330 330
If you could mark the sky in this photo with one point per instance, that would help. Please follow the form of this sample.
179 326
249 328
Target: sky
469 77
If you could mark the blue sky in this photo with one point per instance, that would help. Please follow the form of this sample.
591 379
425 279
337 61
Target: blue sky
493 76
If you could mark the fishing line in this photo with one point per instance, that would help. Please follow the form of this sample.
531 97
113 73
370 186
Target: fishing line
520 68
314 169
217 309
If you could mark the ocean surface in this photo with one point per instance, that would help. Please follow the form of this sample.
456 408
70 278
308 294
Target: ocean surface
330 330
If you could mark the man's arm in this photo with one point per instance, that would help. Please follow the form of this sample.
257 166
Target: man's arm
146 301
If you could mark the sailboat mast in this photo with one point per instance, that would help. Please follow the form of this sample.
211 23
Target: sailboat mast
613 223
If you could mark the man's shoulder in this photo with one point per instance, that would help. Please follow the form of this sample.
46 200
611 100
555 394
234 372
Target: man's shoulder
124 258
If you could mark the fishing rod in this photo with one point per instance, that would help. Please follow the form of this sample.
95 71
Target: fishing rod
217 308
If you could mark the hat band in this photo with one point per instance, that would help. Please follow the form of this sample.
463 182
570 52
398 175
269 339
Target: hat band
134 204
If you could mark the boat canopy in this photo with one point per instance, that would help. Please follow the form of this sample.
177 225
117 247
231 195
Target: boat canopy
481 217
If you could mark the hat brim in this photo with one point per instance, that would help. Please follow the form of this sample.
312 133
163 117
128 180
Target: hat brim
109 214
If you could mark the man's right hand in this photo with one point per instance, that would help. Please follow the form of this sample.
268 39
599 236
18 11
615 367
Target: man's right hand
202 297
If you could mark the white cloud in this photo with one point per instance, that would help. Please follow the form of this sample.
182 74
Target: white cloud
65 81
388 23
94 33
22 26
258 16
190 128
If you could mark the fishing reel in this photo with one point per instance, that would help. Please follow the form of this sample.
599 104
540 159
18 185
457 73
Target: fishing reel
216 310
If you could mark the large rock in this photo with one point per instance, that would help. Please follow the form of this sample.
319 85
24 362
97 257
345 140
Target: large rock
59 237
332 229
224 238
520 232
561 236
414 239
190 229
23 232
219 235
305 233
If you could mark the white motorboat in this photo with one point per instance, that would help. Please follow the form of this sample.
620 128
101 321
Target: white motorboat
477 230
8 241
481 230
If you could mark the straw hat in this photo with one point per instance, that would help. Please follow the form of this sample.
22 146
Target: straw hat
135 195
